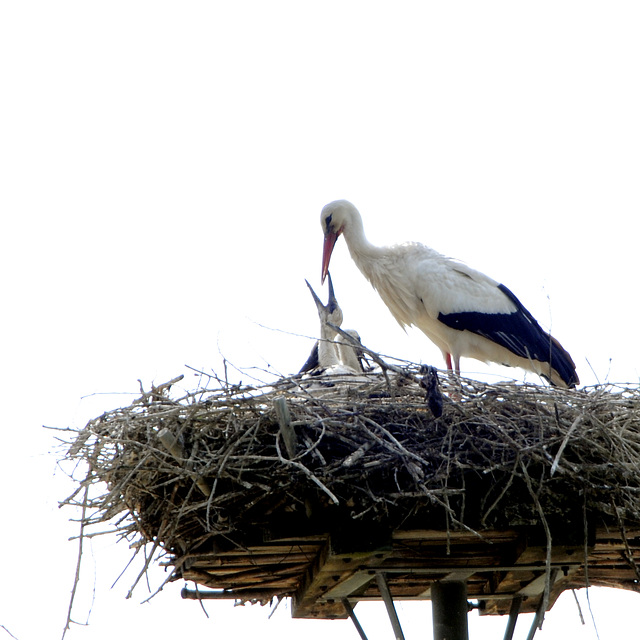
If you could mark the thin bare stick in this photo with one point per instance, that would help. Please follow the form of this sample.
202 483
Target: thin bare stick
565 441
308 473
76 578
9 632
549 575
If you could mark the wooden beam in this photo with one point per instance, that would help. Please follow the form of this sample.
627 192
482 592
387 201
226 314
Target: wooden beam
286 429
248 594
328 572
437 536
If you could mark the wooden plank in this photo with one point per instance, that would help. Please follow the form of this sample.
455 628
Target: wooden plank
245 577
193 594
307 539
238 560
426 536
282 546
251 572
559 554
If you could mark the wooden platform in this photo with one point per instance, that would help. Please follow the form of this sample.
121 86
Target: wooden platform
318 572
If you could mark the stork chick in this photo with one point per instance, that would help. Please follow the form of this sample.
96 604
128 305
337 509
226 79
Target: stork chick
338 356
464 312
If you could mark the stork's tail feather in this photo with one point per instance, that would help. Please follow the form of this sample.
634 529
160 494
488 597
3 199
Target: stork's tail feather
562 366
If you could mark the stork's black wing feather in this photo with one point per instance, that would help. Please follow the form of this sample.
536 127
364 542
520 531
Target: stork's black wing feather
313 361
519 332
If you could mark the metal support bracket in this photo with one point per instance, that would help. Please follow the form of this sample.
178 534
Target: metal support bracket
352 615
539 617
516 603
388 601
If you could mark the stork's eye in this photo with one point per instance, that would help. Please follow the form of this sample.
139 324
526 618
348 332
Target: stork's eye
327 223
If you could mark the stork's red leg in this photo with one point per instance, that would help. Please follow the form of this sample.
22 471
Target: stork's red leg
447 359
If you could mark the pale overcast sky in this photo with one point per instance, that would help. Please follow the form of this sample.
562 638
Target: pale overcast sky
163 169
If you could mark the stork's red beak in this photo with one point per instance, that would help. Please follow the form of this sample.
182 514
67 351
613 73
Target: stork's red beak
329 242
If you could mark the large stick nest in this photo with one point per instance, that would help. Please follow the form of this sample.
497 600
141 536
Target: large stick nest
224 467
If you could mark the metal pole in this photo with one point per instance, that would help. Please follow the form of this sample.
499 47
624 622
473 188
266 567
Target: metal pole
352 615
450 608
544 600
383 587
537 619
516 603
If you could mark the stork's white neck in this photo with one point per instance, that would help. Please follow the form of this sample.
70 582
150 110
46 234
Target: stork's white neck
362 251
327 351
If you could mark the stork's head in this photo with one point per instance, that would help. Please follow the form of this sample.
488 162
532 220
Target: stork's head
331 312
334 219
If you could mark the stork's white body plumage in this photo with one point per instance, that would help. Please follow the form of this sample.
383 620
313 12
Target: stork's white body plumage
348 354
464 312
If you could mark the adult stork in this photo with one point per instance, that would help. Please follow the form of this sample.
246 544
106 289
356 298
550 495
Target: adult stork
465 313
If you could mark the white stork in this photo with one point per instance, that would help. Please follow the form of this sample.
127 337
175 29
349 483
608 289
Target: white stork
325 351
465 313
330 354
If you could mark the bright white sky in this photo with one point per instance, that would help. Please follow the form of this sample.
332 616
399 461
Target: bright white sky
163 169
